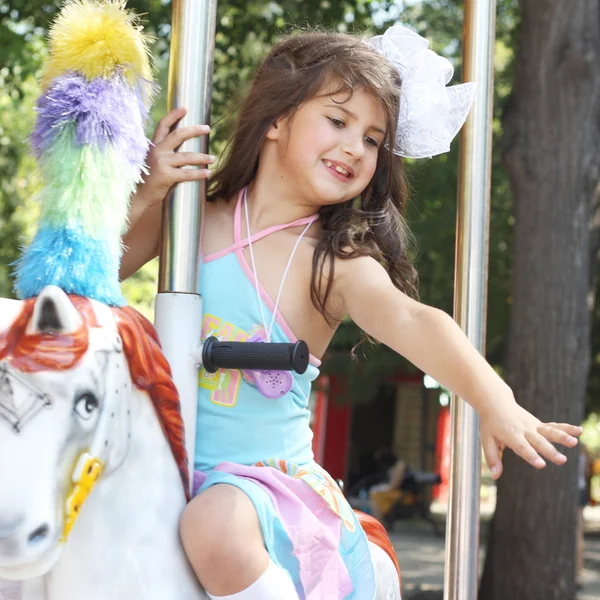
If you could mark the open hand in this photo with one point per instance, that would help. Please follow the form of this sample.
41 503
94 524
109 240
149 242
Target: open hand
505 424
167 165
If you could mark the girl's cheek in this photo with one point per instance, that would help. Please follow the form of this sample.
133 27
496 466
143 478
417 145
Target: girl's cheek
372 168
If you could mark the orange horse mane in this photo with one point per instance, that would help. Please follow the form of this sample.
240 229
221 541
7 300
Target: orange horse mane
150 371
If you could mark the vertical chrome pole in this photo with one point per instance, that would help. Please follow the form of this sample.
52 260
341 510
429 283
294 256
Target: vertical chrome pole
472 244
178 305
190 85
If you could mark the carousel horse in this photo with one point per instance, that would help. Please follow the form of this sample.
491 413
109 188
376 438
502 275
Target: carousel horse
88 412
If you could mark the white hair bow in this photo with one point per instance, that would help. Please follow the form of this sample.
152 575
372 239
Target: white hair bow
431 114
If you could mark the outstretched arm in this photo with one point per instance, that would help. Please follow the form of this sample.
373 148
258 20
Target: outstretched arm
165 166
433 342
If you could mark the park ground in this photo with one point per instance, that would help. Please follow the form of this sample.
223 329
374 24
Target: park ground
421 556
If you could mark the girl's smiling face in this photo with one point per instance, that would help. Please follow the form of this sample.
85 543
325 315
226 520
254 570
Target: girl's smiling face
329 146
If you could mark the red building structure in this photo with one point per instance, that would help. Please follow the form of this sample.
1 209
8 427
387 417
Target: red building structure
405 418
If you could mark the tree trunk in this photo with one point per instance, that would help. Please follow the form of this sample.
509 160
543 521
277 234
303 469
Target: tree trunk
552 136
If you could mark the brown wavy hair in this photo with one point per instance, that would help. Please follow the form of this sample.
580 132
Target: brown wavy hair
295 71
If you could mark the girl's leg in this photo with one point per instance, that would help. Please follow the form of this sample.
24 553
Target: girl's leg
222 538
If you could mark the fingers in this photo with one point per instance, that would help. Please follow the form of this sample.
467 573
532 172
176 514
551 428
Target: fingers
538 444
525 450
171 136
526 436
193 174
546 449
167 166
182 134
573 430
492 453
182 159
167 123
560 433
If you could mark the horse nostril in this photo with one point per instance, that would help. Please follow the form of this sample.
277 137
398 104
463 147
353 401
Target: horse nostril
38 535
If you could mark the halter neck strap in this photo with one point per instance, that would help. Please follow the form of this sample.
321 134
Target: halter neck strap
311 220
239 243
237 228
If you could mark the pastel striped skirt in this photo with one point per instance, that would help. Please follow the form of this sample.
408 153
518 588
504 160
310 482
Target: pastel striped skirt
308 526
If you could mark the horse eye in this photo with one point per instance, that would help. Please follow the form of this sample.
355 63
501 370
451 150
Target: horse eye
85 405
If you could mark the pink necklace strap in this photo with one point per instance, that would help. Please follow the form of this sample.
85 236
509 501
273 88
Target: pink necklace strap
239 243
237 229
269 330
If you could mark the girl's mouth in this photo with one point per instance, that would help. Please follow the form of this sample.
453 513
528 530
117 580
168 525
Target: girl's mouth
338 171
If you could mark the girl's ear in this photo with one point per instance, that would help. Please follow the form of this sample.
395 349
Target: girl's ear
279 127
274 131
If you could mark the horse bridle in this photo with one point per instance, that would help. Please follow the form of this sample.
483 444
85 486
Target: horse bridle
36 401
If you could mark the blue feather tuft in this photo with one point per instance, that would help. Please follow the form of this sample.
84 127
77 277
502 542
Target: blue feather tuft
68 258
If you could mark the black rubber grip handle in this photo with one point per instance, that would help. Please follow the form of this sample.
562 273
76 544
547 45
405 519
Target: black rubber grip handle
254 356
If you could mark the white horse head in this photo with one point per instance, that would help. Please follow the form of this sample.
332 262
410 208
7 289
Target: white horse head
61 428
76 380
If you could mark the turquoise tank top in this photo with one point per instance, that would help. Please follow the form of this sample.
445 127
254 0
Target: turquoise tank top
235 422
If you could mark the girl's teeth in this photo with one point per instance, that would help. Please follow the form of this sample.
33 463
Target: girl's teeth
337 168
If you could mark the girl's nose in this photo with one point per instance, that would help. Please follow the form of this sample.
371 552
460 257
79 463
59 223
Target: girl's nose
354 147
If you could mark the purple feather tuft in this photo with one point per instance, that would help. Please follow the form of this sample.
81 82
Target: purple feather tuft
104 111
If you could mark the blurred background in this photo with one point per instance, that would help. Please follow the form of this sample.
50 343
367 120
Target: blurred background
380 425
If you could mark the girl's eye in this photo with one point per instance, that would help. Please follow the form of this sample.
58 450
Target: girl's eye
336 122
372 142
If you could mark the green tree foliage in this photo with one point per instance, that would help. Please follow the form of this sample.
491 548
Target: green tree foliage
18 180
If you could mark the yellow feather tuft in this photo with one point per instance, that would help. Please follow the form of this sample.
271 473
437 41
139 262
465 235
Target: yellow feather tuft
95 38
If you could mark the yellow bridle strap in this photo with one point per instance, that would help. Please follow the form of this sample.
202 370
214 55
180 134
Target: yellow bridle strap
85 475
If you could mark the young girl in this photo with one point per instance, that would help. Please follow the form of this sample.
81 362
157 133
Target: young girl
303 228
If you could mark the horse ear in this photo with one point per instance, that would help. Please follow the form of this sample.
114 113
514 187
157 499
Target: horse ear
53 312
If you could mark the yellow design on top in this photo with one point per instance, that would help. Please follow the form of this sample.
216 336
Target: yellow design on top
96 38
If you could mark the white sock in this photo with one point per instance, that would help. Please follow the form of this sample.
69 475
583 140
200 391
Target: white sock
274 584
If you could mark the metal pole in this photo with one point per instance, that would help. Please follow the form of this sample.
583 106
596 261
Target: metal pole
190 85
472 243
178 313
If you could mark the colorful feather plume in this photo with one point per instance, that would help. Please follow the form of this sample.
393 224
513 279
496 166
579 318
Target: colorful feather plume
90 143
